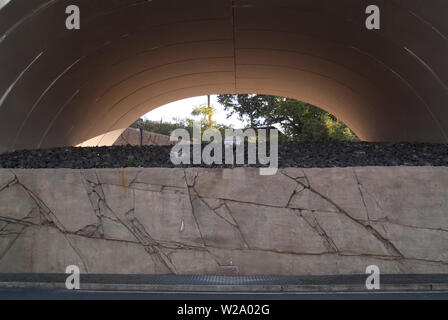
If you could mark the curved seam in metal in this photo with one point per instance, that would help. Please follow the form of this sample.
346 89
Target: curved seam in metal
24 19
332 13
211 72
161 94
300 69
154 68
174 44
111 41
164 80
430 25
11 87
260 49
234 28
421 19
412 89
161 81
428 67
416 57
347 20
54 82
108 42
82 58
152 26
336 63
40 99
401 78
177 22
285 94
392 42
284 7
47 5
306 71
236 64
55 118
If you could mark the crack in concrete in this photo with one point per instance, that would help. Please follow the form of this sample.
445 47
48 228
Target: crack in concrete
139 232
179 245
91 231
5 232
195 218
246 243
52 220
12 228
211 209
10 245
440 262
252 203
310 254
92 194
360 187
192 198
225 207
294 193
156 247
386 242
6 219
315 225
234 200
393 222
8 185
194 195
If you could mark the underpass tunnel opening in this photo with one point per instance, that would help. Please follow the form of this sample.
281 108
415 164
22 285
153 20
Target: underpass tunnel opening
295 120
61 87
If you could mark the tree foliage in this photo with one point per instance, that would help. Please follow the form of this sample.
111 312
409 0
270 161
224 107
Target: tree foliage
203 114
298 120
206 114
158 126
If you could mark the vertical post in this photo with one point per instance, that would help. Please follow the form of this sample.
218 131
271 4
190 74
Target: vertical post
141 136
141 130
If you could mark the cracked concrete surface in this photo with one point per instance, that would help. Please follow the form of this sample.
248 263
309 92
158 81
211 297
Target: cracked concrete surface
205 221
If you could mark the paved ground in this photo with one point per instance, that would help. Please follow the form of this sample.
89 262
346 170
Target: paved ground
213 280
171 287
42 294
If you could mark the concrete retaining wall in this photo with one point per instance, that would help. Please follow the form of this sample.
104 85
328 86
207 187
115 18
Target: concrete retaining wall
224 221
131 136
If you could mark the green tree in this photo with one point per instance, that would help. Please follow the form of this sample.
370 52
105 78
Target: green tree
206 113
299 121
159 126
246 106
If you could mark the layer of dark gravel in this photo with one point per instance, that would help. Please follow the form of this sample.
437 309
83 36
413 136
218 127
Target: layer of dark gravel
304 155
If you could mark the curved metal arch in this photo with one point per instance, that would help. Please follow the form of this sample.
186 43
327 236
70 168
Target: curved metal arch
402 93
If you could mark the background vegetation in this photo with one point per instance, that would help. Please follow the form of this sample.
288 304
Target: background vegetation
297 120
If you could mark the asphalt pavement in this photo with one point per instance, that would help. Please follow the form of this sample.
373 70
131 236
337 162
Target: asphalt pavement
46 294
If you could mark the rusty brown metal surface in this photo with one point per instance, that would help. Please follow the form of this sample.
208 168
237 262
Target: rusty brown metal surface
62 87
